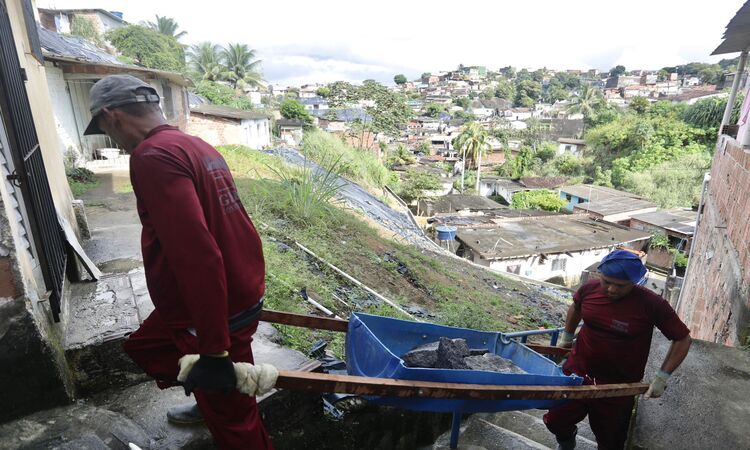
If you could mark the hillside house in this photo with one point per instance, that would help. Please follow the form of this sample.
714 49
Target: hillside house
555 249
72 66
591 197
59 20
570 146
290 131
222 125
678 225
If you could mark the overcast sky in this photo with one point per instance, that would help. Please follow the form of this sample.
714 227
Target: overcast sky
322 41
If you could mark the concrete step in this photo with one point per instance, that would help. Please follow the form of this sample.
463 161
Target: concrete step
531 427
479 434
584 429
98 317
101 314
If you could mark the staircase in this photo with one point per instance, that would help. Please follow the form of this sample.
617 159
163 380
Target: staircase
511 430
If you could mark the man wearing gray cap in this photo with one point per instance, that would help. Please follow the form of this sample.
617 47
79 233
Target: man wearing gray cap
203 260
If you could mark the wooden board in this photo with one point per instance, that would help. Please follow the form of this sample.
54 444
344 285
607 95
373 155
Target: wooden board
347 384
302 320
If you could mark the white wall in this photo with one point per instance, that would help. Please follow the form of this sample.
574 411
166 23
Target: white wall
531 267
257 133
63 111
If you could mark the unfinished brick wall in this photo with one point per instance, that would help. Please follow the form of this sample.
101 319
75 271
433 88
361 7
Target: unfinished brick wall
715 302
215 130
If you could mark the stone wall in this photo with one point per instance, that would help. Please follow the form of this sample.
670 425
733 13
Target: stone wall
714 302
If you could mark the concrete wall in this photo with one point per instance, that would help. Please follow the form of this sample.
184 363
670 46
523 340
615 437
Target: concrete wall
257 133
715 302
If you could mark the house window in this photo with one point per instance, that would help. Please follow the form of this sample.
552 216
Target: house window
558 264
568 148
516 269
568 197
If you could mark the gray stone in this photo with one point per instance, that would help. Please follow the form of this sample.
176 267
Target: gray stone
493 363
422 356
451 354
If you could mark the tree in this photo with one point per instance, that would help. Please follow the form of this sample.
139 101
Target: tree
707 113
463 102
417 185
472 143
241 65
617 71
84 27
639 104
504 90
294 110
221 94
433 109
323 91
204 61
527 93
166 26
400 79
586 102
148 47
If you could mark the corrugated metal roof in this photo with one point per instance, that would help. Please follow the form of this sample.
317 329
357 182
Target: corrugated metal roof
737 35
74 47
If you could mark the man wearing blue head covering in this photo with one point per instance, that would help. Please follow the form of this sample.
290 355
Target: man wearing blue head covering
619 317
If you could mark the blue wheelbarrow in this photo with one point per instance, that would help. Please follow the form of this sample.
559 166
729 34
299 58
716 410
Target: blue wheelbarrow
375 344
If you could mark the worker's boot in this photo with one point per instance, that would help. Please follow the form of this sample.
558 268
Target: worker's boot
185 414
567 444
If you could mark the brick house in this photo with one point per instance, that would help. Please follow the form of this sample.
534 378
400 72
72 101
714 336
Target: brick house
221 125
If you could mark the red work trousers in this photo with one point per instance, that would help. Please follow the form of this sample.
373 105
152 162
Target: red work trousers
233 419
609 419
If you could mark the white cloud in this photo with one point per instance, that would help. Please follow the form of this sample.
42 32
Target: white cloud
336 39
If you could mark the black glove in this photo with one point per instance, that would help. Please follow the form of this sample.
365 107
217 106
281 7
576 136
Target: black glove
211 373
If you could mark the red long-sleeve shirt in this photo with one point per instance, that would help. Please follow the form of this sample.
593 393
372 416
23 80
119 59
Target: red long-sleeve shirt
202 255
615 340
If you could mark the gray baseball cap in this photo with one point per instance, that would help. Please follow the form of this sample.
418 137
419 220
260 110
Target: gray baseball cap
113 91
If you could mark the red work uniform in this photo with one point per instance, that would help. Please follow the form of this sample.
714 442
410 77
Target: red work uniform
612 347
204 263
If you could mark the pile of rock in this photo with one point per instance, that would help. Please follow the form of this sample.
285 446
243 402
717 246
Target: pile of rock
455 354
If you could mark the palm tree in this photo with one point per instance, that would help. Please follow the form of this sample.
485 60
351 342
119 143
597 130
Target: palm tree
473 143
167 26
586 102
204 60
241 65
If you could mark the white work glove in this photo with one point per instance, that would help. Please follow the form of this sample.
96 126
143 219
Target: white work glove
251 379
566 340
658 385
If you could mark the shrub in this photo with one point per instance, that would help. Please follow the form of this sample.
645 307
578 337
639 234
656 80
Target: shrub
539 199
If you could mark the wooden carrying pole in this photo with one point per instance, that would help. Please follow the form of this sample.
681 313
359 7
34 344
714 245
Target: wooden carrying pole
387 387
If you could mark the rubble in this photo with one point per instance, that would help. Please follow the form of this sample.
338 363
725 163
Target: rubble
455 354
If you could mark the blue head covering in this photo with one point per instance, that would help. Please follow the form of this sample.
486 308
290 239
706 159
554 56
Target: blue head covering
623 265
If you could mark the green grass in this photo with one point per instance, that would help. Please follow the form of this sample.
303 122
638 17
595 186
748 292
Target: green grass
458 294
361 166
79 188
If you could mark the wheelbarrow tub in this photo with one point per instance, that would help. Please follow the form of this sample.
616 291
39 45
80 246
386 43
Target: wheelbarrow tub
374 345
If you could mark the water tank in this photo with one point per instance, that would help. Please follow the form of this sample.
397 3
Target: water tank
446 233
